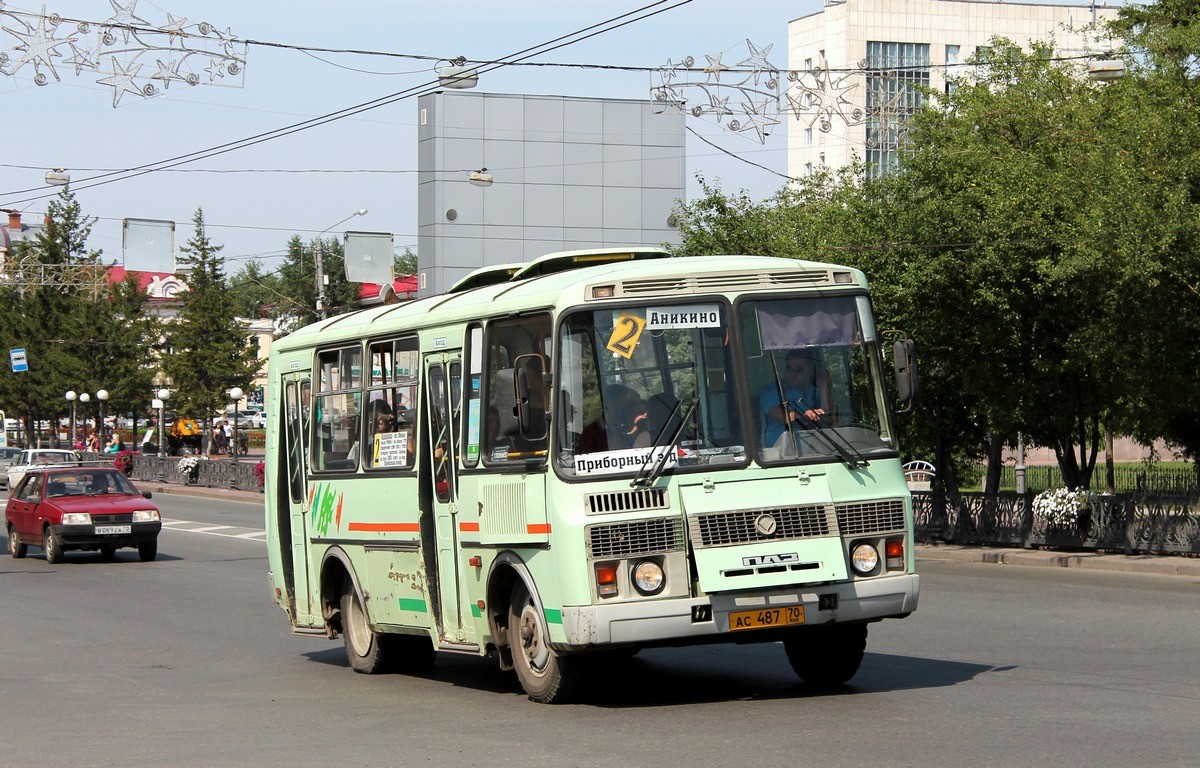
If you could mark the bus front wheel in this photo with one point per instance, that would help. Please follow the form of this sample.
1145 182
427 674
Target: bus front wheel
547 677
826 655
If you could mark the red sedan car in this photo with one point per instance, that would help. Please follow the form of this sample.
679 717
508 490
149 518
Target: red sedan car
88 508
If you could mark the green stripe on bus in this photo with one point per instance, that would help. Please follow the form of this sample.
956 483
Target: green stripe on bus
553 616
409 604
476 611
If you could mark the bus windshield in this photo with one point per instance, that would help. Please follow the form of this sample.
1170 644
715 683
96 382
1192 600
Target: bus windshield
629 375
814 378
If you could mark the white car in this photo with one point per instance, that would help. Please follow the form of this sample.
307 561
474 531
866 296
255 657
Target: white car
8 457
259 420
39 457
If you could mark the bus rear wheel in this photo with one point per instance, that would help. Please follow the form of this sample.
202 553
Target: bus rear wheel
366 654
547 677
827 655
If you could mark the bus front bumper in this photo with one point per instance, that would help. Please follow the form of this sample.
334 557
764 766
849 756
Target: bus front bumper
693 619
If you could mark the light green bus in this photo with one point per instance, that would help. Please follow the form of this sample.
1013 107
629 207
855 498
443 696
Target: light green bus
595 452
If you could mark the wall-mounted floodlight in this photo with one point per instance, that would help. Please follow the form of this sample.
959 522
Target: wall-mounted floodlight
1106 69
456 74
480 178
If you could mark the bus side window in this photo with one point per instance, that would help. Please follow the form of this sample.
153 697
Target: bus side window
516 391
337 409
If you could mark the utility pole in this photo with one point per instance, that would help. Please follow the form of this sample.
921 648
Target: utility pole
321 263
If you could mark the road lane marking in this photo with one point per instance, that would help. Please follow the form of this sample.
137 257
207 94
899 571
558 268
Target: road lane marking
247 534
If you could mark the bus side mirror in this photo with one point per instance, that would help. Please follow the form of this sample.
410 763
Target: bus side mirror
904 361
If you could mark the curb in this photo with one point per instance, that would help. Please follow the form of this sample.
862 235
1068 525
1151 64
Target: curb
206 492
1157 565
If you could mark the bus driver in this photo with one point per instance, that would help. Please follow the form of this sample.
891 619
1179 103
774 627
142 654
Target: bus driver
805 393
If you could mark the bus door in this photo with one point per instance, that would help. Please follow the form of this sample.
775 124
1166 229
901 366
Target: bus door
293 515
443 374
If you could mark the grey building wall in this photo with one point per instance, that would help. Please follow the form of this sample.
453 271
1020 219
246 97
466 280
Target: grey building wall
568 173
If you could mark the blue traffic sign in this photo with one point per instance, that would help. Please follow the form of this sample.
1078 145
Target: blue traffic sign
19 363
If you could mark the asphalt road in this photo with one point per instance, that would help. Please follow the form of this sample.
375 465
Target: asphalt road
187 662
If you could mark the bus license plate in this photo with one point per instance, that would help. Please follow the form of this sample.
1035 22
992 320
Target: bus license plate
766 617
103 529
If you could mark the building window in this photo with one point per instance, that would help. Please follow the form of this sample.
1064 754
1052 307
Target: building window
808 65
808 136
952 60
896 73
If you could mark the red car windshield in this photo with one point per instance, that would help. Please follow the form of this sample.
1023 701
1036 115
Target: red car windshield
88 482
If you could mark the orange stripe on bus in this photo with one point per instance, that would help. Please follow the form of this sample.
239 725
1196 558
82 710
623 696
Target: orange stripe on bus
468 527
386 527
538 528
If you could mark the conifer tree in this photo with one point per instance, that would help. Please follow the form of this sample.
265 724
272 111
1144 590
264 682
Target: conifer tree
207 351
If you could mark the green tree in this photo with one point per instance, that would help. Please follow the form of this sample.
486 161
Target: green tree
298 282
255 292
208 352
56 278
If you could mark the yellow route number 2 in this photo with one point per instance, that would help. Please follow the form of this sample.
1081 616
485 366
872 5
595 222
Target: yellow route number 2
625 335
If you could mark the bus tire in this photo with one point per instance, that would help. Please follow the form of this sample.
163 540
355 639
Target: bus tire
547 677
366 654
827 655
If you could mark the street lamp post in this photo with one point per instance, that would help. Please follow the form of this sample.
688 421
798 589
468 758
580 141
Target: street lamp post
85 398
102 396
161 400
235 395
321 264
71 398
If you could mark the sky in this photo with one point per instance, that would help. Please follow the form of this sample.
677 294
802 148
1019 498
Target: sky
71 123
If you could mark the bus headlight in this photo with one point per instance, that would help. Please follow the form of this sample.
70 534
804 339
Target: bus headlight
648 577
76 518
864 559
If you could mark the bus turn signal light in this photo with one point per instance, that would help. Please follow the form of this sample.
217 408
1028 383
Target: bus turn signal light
895 555
606 580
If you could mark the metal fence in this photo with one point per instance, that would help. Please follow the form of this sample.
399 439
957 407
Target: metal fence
1131 523
1152 480
213 473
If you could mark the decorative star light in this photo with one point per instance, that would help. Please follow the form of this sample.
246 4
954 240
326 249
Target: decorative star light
715 68
81 59
122 80
817 97
122 47
39 45
757 61
124 18
173 28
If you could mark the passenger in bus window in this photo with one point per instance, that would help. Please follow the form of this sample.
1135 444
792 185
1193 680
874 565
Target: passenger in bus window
805 396
380 419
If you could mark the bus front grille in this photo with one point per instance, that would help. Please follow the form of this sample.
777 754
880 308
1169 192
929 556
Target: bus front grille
746 526
641 537
627 501
871 517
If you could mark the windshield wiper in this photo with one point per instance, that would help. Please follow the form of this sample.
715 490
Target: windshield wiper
844 450
656 461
